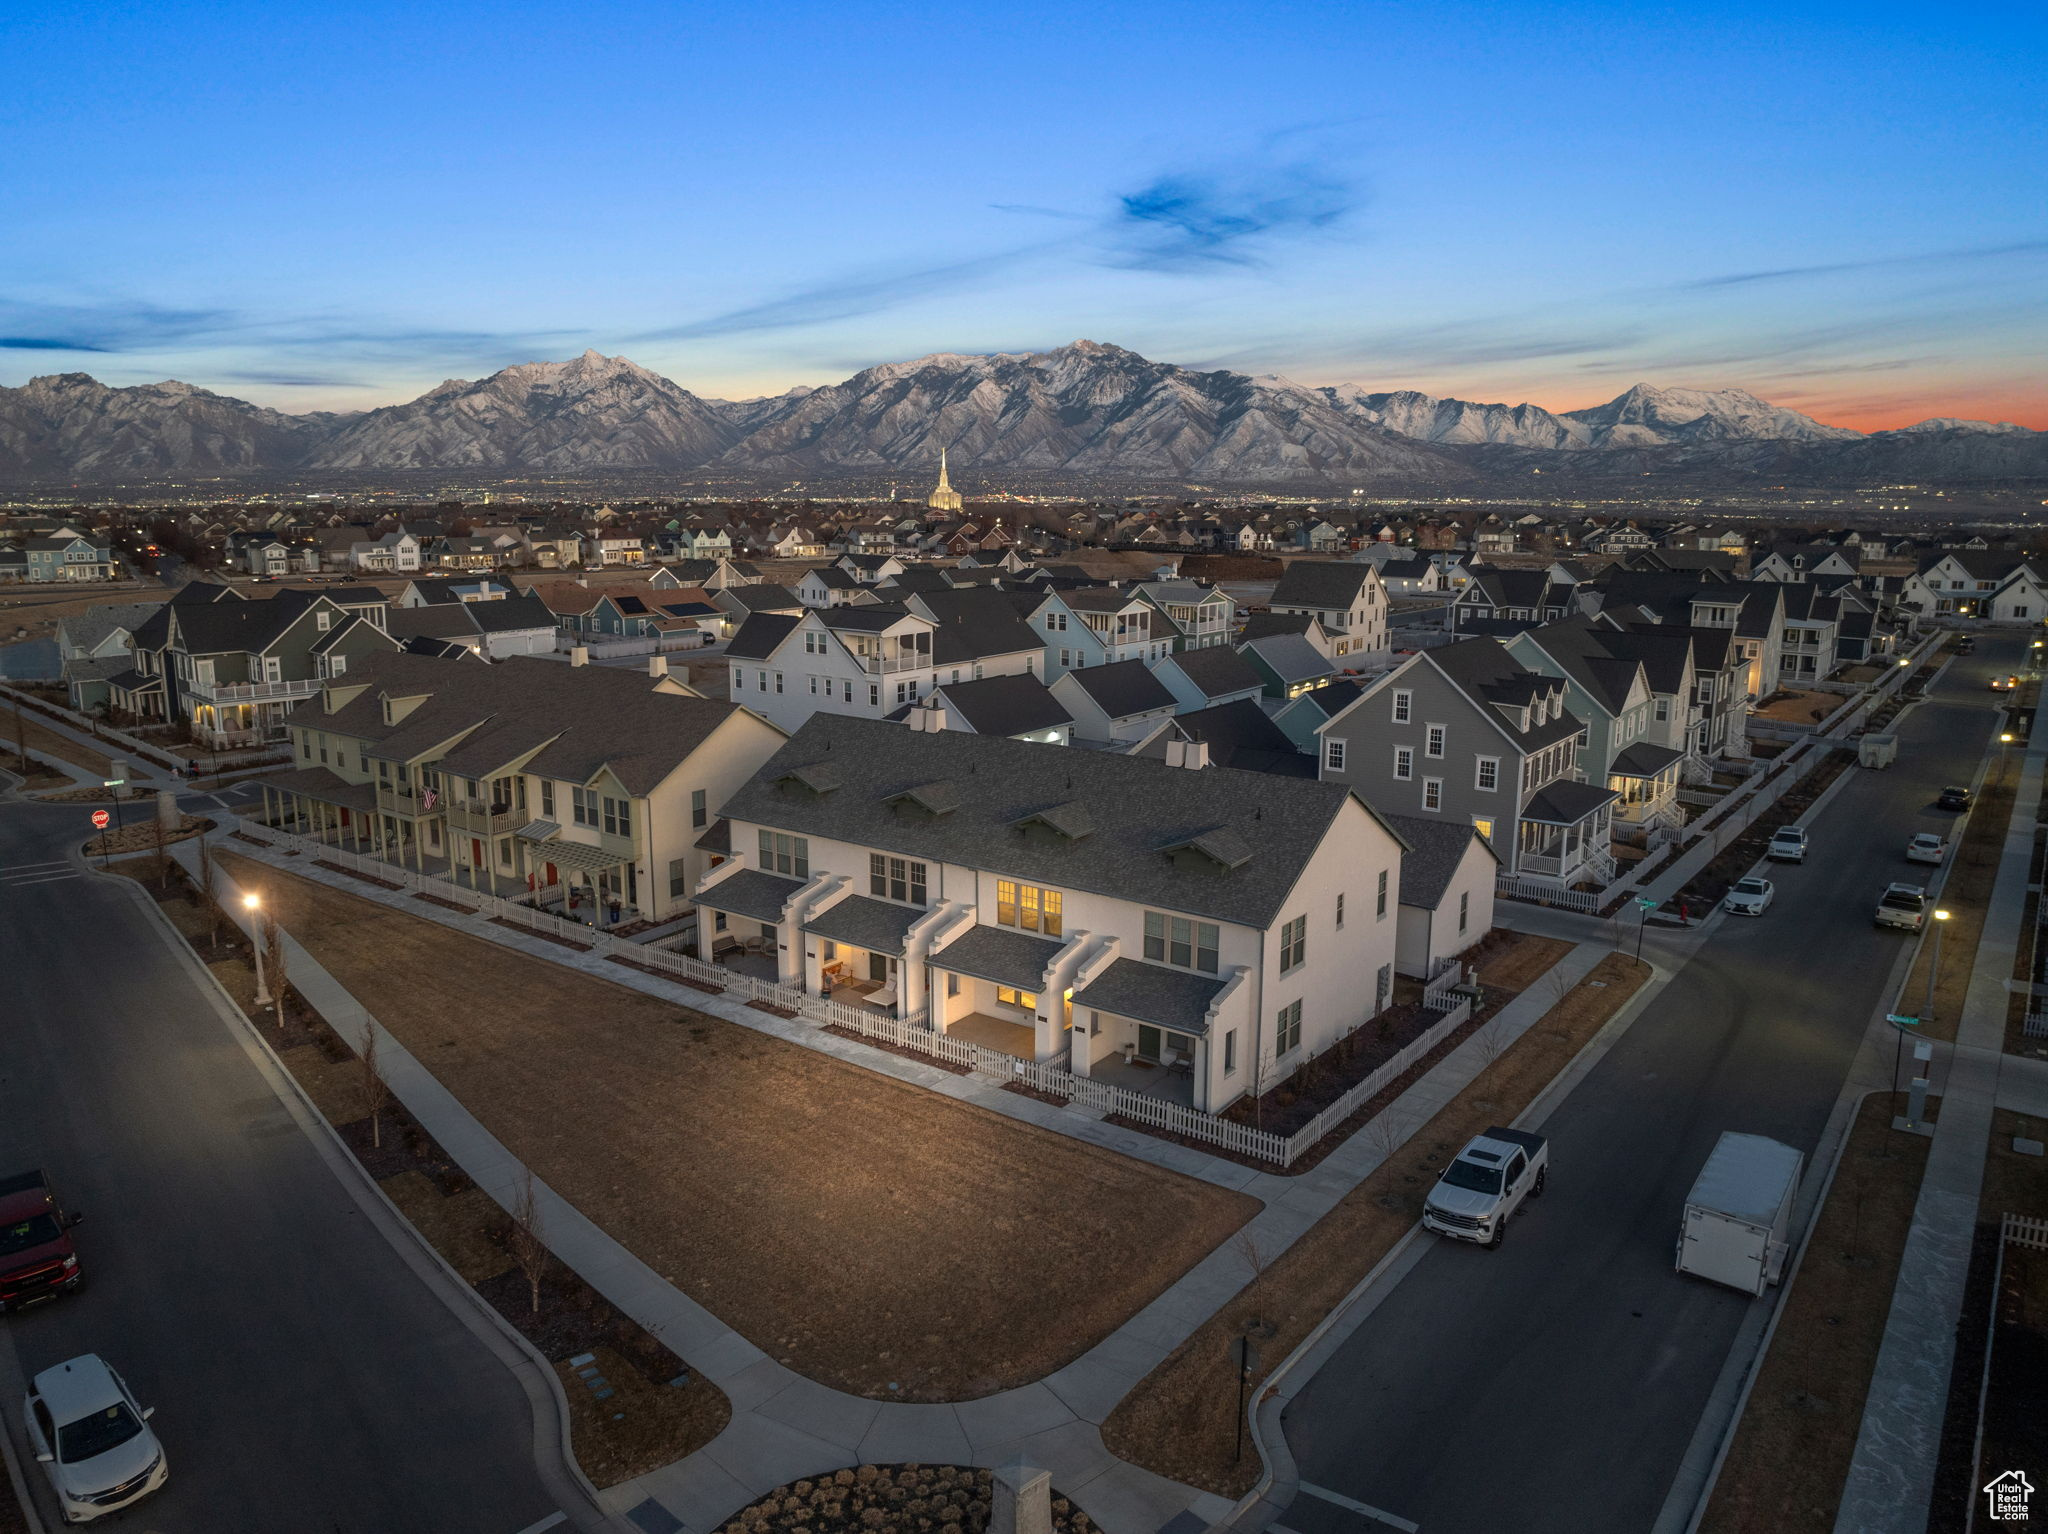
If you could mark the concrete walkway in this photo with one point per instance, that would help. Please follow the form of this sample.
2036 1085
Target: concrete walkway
784 1426
1890 1487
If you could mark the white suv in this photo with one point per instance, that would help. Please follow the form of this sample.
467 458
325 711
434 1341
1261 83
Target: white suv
92 1437
1788 845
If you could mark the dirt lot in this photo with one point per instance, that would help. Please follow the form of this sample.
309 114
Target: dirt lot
966 1253
39 738
1785 1469
1796 707
1181 1421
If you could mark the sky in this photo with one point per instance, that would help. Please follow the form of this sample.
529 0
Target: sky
326 207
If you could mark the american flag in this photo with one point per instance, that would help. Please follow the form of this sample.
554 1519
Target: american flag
427 799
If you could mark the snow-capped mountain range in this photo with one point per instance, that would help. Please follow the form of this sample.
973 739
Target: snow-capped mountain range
1085 409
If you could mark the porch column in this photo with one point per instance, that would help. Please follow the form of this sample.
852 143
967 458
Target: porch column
789 959
910 986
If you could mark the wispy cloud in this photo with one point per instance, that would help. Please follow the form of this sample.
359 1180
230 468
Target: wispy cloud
46 344
1835 268
294 380
117 326
1233 213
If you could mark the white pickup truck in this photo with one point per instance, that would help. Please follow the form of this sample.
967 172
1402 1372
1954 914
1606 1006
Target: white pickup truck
1482 1188
1903 906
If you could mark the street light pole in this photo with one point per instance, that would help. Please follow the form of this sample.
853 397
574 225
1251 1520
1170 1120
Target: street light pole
254 905
1934 969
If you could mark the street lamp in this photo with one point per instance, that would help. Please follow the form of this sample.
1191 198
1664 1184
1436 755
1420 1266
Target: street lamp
1934 969
253 904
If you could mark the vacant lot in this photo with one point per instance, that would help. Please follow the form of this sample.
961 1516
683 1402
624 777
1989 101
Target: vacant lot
38 737
863 1231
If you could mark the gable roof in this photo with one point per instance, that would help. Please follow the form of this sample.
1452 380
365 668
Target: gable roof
1240 735
1005 705
1435 849
1137 808
1290 657
1216 671
1121 690
1328 584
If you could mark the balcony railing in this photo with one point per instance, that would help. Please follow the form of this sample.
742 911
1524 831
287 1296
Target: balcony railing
902 660
251 692
483 815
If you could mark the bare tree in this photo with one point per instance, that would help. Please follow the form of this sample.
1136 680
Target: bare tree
209 889
270 933
157 836
1247 1246
1489 1043
1386 1133
371 1083
20 739
528 1245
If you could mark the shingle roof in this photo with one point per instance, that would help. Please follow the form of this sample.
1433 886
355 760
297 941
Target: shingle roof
998 954
1006 705
1566 803
1264 625
1217 671
875 925
1240 735
1123 689
1435 849
760 636
1151 993
752 892
1291 657
1488 673
1138 809
579 719
90 628
1325 584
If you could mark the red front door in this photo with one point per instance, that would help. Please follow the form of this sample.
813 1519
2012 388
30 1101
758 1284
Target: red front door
476 853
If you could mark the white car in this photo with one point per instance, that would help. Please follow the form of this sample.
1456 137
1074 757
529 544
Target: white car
1788 845
92 1438
1749 897
1926 848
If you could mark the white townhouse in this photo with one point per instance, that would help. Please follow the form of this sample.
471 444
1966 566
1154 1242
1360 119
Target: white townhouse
1097 626
1203 618
1116 915
868 659
1350 601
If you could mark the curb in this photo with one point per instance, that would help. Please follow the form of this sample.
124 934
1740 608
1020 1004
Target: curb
542 1387
1275 1489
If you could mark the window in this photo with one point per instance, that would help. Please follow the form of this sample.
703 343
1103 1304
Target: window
583 804
504 852
322 621
782 854
699 811
1180 942
1230 1052
762 678
896 879
778 681
1404 762
952 984
1487 774
1340 913
1030 907
1287 1030
1333 755
739 680
678 878
1464 911
618 817
814 685
874 695
1380 905
1384 991
1293 944
547 799
1055 623
1483 825
1432 793
1009 996
1404 707
1433 744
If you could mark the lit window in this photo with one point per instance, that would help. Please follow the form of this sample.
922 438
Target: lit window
1011 997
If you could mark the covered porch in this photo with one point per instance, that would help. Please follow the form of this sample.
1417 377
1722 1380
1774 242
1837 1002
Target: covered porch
1145 1027
1644 779
989 987
854 952
1564 835
741 922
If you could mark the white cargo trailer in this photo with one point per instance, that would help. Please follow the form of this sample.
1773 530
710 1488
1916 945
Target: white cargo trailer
1739 1213
1877 750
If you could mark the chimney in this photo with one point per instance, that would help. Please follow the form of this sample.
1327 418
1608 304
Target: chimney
579 655
1192 754
657 665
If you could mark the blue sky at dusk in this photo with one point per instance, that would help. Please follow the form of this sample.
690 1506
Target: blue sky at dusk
323 207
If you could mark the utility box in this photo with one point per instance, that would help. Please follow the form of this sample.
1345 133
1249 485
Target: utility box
1739 1213
1877 751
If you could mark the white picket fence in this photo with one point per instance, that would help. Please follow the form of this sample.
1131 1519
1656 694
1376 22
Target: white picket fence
1516 888
2027 1231
1053 1076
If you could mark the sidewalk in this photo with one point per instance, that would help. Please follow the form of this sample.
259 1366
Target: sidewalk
785 1427
1891 1478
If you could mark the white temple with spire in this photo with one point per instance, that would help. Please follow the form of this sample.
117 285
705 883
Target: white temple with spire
945 498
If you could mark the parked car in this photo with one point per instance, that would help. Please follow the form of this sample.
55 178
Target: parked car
1903 906
1954 798
37 1259
1966 645
1926 848
1788 845
1749 897
2004 683
92 1438
1485 1184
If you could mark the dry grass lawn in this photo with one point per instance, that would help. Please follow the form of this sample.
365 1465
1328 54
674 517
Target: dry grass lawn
637 1427
1524 963
457 1226
334 1085
37 738
863 1231
1181 1420
1786 1467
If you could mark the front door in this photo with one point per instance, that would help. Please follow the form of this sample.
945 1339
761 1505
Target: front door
1148 1042
476 853
878 967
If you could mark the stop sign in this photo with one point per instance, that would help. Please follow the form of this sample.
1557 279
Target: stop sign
100 819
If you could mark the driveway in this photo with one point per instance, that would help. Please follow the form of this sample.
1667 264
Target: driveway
1554 1385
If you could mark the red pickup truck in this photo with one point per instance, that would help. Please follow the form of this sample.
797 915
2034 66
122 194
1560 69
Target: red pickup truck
37 1259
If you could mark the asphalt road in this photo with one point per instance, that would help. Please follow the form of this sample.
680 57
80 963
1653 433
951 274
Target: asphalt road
305 1378
1555 1384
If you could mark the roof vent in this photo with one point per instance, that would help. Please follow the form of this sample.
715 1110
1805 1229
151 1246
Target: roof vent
818 778
937 798
1071 821
1223 848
